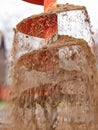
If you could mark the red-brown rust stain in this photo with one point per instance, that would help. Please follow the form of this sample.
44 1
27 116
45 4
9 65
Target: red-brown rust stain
44 90
44 60
44 26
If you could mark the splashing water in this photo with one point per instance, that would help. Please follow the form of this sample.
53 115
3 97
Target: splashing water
54 87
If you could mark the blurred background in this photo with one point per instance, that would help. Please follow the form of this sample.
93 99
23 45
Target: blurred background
13 11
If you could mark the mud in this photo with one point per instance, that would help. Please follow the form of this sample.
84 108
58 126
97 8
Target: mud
55 87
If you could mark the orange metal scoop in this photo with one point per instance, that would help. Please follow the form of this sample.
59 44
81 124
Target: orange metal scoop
38 2
48 4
